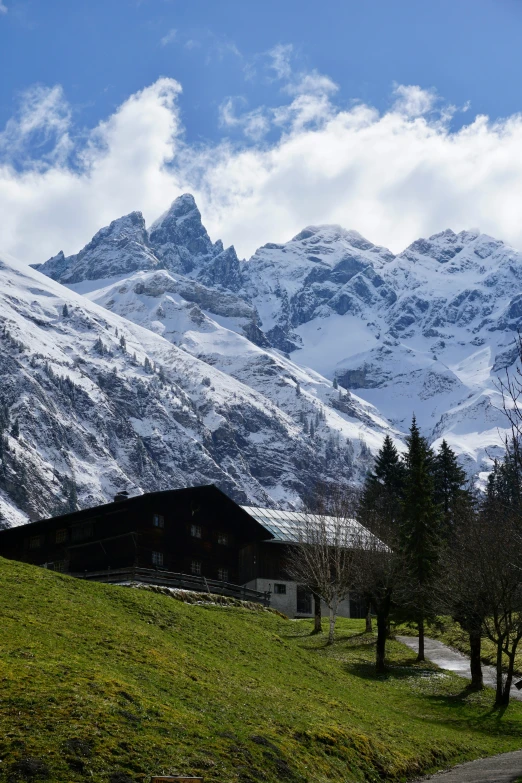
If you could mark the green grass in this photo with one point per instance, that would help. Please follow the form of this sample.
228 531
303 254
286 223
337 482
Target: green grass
96 680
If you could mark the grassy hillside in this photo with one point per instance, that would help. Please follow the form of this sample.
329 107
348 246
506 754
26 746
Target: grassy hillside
110 684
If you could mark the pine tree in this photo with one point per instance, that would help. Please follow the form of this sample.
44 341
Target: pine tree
420 528
335 382
15 429
65 311
383 488
298 389
123 343
450 492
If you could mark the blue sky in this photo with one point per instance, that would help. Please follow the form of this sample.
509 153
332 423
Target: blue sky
275 114
101 51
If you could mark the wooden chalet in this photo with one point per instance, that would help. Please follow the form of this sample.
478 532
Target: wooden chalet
195 538
188 538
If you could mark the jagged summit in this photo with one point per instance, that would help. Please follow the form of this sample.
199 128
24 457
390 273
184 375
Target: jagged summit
181 241
177 241
119 248
180 238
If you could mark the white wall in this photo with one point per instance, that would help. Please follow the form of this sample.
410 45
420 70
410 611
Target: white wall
287 603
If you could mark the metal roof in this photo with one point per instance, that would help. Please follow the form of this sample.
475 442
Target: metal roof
290 526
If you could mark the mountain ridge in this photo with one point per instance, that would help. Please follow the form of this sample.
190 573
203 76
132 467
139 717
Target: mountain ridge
338 337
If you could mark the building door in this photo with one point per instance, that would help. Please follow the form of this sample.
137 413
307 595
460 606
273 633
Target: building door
304 600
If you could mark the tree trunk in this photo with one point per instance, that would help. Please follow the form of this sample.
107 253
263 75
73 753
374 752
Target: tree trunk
369 628
331 629
420 625
499 691
509 679
380 648
475 641
317 614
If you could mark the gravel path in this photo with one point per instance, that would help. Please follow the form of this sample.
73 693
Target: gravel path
497 769
446 658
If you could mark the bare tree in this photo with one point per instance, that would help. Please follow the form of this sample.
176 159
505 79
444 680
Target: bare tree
464 592
500 563
379 570
322 557
510 388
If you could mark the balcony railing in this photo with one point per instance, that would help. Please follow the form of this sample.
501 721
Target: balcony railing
198 584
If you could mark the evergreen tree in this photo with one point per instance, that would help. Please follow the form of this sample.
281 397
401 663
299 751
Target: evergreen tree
15 429
450 492
123 343
298 389
383 488
504 486
335 382
65 311
420 529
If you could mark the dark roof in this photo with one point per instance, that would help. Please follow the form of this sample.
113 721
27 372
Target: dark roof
107 509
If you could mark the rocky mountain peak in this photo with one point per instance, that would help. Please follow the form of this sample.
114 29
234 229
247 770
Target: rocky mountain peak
119 248
129 228
441 247
181 241
179 237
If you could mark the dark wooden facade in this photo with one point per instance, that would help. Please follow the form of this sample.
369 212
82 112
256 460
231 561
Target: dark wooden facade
266 559
198 530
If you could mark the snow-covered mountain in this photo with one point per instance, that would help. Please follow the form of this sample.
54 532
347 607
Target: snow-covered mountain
269 373
428 330
92 402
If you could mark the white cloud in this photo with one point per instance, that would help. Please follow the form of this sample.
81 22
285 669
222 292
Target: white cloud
3 8
311 104
280 58
254 124
413 101
169 37
42 121
394 176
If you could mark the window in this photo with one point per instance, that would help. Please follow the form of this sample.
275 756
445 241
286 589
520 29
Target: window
195 567
157 558
304 600
279 589
223 539
195 531
35 542
60 565
81 532
158 520
61 535
223 574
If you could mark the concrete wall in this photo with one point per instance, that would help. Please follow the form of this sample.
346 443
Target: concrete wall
287 602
